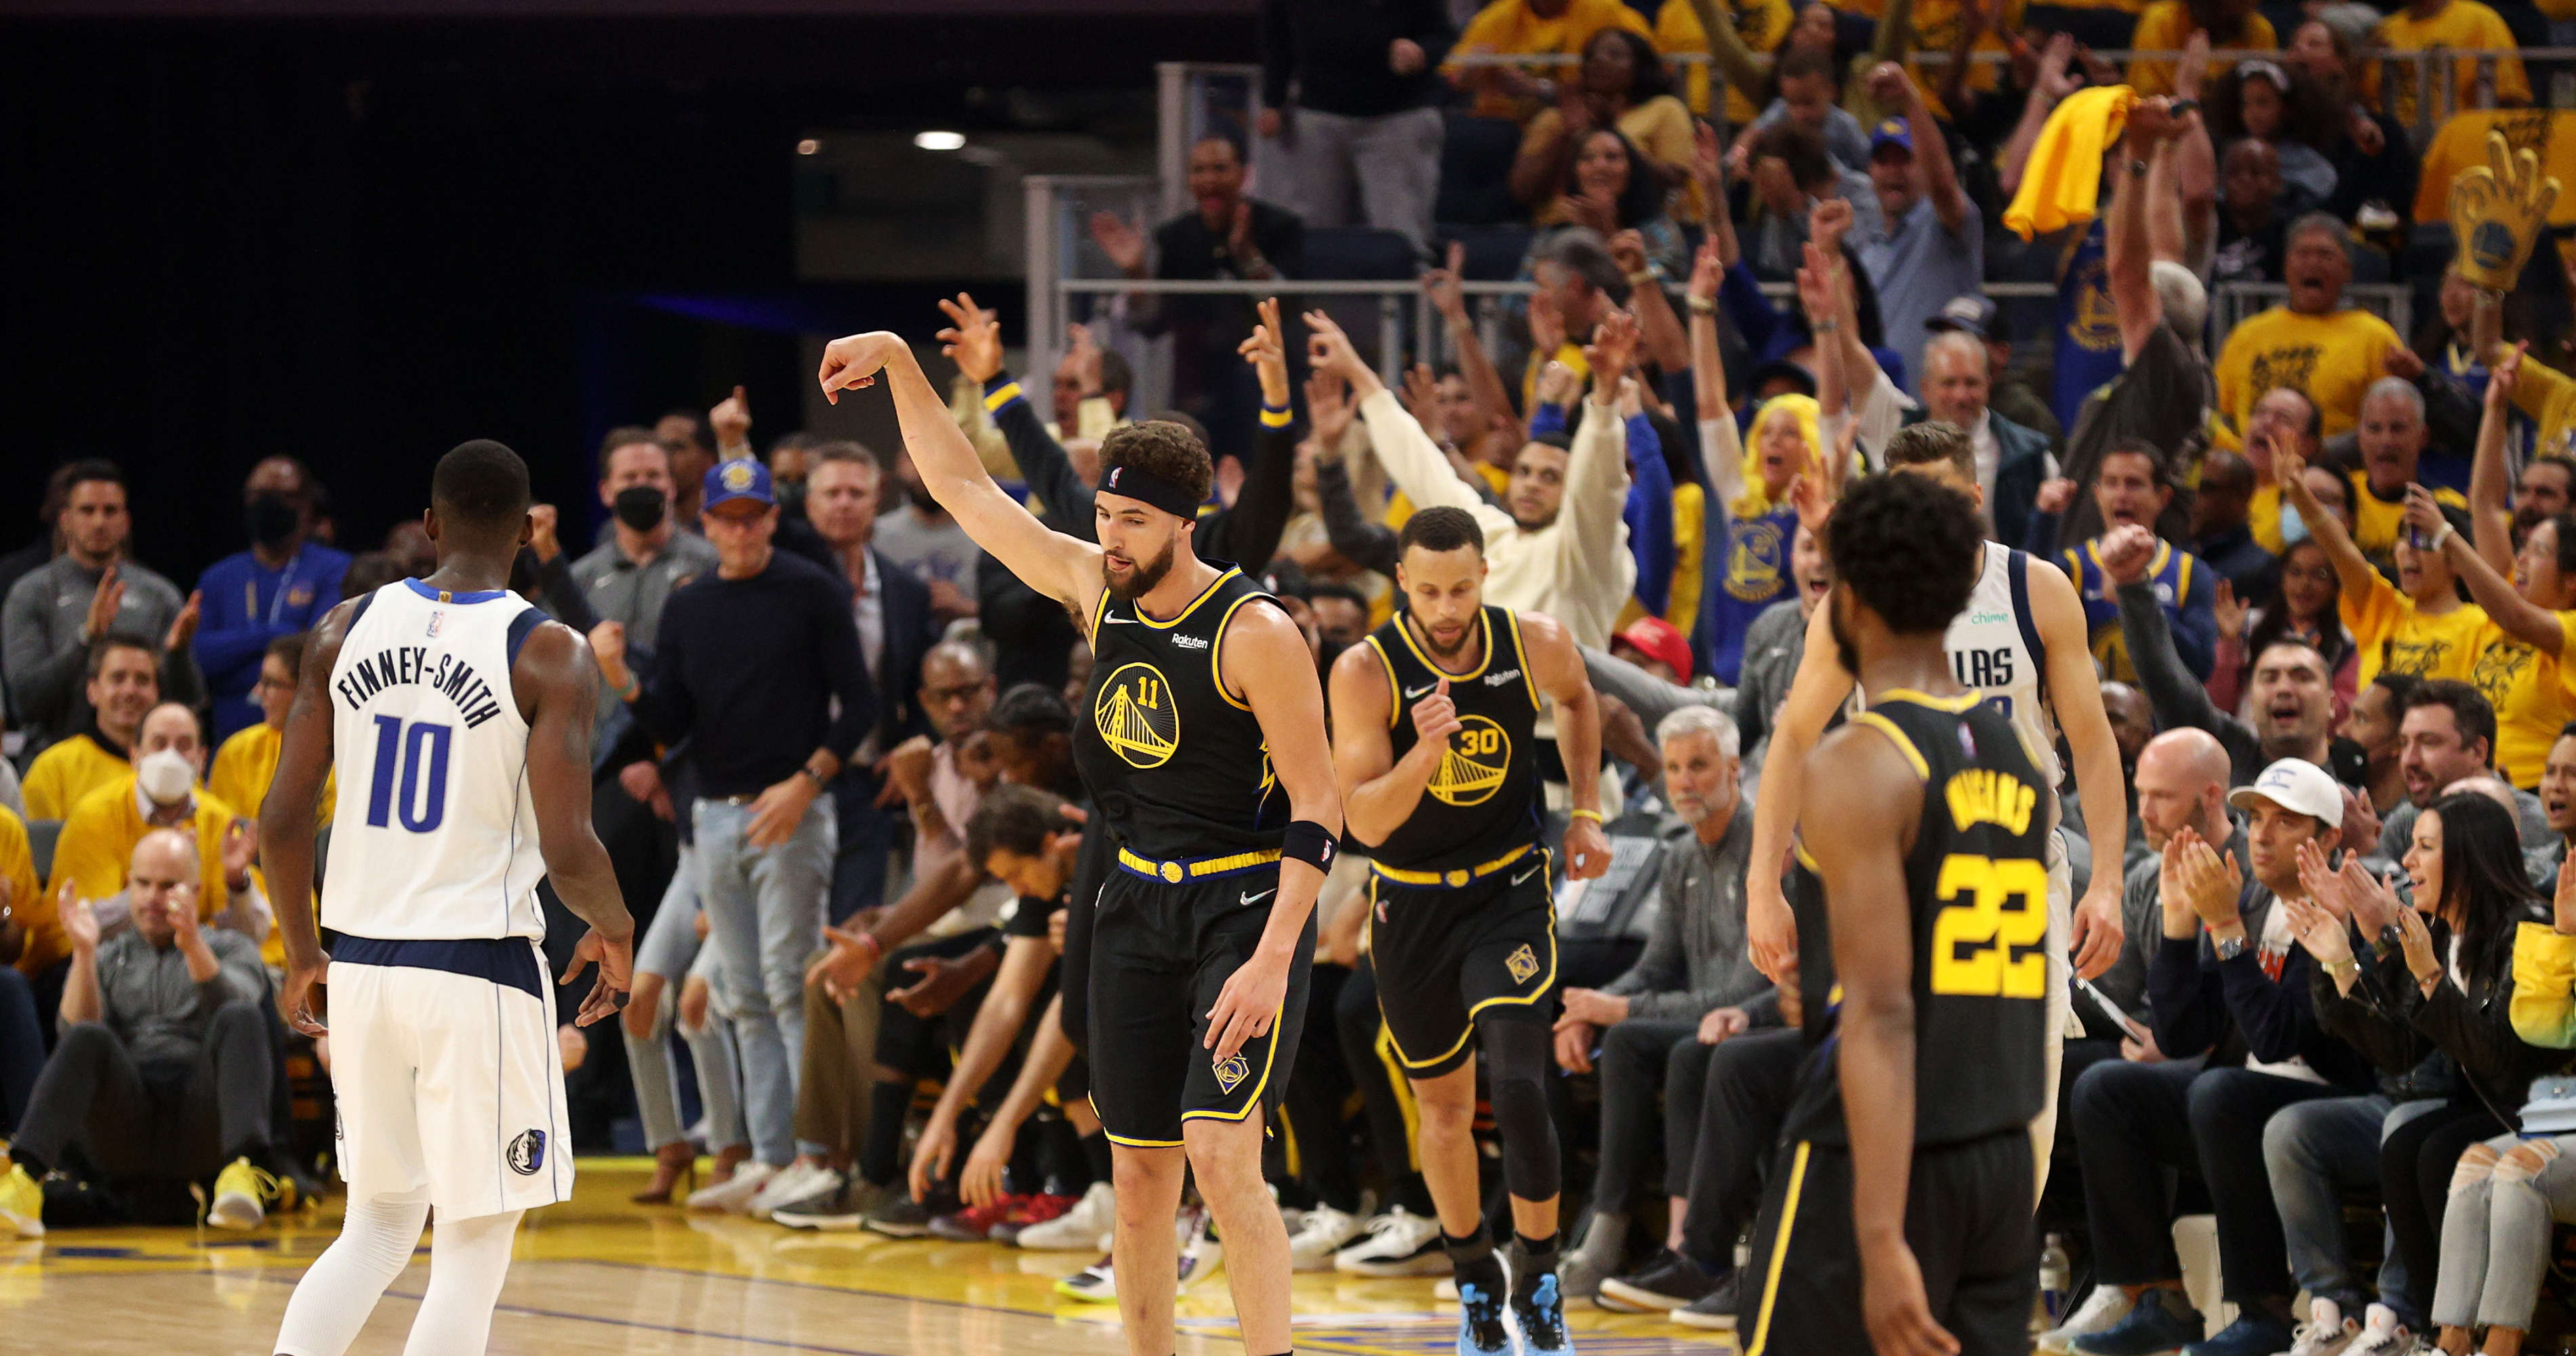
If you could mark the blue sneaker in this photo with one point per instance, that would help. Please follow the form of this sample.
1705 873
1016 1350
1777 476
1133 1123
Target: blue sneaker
1542 1318
2256 1334
2162 1323
1480 1323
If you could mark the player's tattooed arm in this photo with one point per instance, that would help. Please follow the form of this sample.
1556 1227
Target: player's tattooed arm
1064 568
1379 791
1862 808
558 687
1557 668
291 814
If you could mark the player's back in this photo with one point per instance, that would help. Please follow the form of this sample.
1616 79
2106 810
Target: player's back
1977 885
434 833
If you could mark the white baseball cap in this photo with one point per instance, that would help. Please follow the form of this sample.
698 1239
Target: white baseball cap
2298 786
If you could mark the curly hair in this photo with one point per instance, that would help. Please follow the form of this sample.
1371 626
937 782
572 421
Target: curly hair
1163 449
1441 528
1908 548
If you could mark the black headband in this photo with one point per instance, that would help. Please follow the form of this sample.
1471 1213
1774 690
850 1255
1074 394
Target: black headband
1135 482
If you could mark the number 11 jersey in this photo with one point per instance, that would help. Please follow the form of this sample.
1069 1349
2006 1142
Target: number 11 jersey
434 835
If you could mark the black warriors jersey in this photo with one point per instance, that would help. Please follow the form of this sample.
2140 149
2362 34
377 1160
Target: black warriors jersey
1175 762
1977 885
1483 802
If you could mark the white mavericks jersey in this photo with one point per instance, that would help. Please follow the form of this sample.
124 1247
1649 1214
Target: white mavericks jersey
434 835
1994 647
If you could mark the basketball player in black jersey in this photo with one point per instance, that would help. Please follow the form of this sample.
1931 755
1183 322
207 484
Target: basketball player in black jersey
1899 1217
1432 719
1202 741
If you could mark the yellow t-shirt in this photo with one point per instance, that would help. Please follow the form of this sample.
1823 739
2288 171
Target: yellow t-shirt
2549 397
246 764
1659 127
2165 25
96 846
2461 143
1511 28
1763 24
2392 635
1936 29
2530 694
65 772
1690 553
2377 523
2331 359
2463 25
18 869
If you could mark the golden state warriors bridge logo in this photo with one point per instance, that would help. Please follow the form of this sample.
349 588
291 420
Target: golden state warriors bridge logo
1136 718
1472 770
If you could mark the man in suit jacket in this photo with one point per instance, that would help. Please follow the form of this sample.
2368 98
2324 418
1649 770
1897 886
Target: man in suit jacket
2012 461
896 628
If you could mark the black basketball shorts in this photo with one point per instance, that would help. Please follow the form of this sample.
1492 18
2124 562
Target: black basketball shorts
1446 955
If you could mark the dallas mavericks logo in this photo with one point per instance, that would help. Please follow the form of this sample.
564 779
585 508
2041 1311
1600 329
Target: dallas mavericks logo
1136 717
1231 1071
527 1153
1473 769
1522 964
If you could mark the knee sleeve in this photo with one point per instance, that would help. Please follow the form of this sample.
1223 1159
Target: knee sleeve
2475 1166
2522 1163
1517 1056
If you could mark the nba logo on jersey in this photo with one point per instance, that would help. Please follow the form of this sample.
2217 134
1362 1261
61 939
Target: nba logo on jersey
1967 740
436 620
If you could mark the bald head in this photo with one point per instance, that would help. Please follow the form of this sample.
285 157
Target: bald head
2492 788
161 883
2182 783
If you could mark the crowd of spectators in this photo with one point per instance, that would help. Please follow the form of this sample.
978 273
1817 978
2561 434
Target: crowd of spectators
2327 570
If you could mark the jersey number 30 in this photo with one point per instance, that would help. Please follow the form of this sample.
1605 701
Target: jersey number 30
2000 908
411 774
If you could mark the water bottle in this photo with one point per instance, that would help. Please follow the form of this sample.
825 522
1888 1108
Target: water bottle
2056 1273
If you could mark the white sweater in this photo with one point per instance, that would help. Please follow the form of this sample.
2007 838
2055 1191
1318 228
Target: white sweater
1576 569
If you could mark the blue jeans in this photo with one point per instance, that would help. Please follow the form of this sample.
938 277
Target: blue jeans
2314 1152
765 917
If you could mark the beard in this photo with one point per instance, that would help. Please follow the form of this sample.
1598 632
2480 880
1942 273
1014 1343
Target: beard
1844 650
1141 579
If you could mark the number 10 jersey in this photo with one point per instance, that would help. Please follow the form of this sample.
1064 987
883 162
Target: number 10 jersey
435 833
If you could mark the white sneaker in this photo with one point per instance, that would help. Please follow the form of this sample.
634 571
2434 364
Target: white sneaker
2106 1306
2326 1333
1201 1253
2382 1335
735 1193
1094 1284
1076 1230
1400 1243
789 1185
1324 1232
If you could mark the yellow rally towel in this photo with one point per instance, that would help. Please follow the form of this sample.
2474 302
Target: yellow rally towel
2062 180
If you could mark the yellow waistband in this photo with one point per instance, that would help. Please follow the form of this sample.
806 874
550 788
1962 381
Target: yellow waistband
1173 873
1457 876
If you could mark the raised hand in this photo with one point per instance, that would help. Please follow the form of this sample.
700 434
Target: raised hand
1084 353
2563 910
1807 496
240 849
1268 354
852 362
2230 611
730 420
2504 375
1889 87
2424 513
608 647
542 519
1546 324
104 604
2360 825
1628 251
1421 397
973 339
1435 718
1443 286
80 925
2318 930
2417 941
2126 552
1706 270
183 627
1827 223
2374 906
2194 66
1613 348
1328 411
1328 349
1558 385
1123 243
2056 496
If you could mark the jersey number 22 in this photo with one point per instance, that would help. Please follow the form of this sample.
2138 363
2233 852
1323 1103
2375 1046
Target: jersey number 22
2001 908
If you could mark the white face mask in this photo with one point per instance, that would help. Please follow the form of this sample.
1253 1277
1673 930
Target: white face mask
165 776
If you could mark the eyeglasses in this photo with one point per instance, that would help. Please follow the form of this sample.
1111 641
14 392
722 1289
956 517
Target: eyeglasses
264 683
943 696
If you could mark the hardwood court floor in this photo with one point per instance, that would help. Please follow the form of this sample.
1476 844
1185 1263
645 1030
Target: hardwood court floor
598 1274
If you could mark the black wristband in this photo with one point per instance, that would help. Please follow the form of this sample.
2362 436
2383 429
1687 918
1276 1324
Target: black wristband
1309 842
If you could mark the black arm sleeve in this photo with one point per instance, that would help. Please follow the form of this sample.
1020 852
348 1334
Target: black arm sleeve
1367 544
2178 698
562 593
1249 534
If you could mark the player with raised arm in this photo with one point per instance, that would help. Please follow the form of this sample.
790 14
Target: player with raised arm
458 719
1202 741
1899 1216
2022 645
1434 719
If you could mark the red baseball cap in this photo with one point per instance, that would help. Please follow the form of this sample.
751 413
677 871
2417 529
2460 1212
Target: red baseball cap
1661 640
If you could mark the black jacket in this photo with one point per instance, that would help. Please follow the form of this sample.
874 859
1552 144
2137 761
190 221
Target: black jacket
1337 52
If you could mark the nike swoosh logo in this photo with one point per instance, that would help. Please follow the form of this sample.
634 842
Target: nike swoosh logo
1412 692
1526 874
1120 621
1250 900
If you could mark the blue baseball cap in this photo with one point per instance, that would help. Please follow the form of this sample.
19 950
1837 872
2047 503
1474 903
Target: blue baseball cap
741 478
1892 132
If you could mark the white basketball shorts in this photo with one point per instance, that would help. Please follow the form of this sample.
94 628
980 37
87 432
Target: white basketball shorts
449 1079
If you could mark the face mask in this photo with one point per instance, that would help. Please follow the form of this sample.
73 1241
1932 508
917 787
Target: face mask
270 519
2293 528
791 498
165 776
641 507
